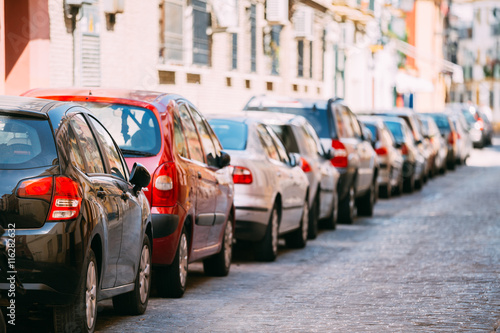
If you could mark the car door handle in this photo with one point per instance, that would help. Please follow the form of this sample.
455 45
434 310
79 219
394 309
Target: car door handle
199 175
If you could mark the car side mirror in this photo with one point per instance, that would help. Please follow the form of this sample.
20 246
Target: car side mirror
224 159
328 155
397 145
294 159
139 177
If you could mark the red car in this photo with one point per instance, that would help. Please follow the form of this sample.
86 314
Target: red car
191 189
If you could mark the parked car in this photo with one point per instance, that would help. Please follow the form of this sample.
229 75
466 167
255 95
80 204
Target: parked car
342 138
440 149
480 127
191 191
464 142
449 133
406 142
82 224
390 159
423 148
299 137
271 190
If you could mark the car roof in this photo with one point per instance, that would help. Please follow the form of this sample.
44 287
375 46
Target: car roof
262 101
263 117
396 111
27 105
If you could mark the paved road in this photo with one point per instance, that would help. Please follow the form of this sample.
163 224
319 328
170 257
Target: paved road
426 262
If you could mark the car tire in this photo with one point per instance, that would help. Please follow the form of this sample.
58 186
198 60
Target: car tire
173 278
409 184
135 302
297 239
81 315
385 191
367 202
312 232
347 207
219 264
267 248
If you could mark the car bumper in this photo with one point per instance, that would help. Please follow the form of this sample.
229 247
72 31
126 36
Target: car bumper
167 227
252 217
48 262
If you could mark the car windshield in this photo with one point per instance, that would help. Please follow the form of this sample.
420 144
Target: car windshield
26 143
442 123
317 116
396 130
468 116
134 129
232 134
372 129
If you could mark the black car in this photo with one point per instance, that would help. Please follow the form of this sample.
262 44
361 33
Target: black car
79 222
343 139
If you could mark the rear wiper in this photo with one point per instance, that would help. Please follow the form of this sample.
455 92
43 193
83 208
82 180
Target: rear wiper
136 152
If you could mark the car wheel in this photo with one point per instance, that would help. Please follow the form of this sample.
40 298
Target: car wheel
136 301
81 315
385 191
409 184
219 264
173 278
367 202
267 248
312 233
347 207
297 239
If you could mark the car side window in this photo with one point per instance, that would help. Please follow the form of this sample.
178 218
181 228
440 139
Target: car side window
279 146
179 139
75 154
314 136
344 123
355 126
206 140
88 144
267 143
193 140
310 143
116 164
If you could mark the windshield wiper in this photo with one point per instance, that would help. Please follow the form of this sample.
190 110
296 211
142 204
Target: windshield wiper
136 152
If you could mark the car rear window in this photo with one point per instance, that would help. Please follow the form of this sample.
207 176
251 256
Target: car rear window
317 116
396 130
469 117
442 122
372 129
134 129
286 136
25 143
232 134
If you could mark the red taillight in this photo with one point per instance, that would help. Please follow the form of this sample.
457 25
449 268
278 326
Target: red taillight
164 193
404 149
242 175
451 138
480 122
381 151
304 165
64 197
339 158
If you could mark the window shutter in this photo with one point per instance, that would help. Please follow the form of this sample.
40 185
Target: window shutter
277 11
91 60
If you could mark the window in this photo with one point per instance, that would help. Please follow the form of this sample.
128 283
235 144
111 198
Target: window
355 125
179 139
205 137
193 140
115 161
234 54
75 155
253 38
310 59
300 64
275 47
201 42
88 144
310 143
344 123
232 134
267 143
314 136
171 33
279 147
285 133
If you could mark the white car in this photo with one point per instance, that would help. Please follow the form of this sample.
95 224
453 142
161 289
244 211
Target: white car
269 184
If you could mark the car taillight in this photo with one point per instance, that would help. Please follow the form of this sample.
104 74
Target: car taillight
304 165
381 151
164 193
451 138
242 175
63 195
339 158
480 123
404 149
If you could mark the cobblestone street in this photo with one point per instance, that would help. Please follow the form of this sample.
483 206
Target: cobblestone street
425 262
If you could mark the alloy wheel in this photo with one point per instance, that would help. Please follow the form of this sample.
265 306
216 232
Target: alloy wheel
145 271
91 294
183 259
228 243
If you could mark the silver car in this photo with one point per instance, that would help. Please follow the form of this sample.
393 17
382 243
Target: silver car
270 186
390 159
299 137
